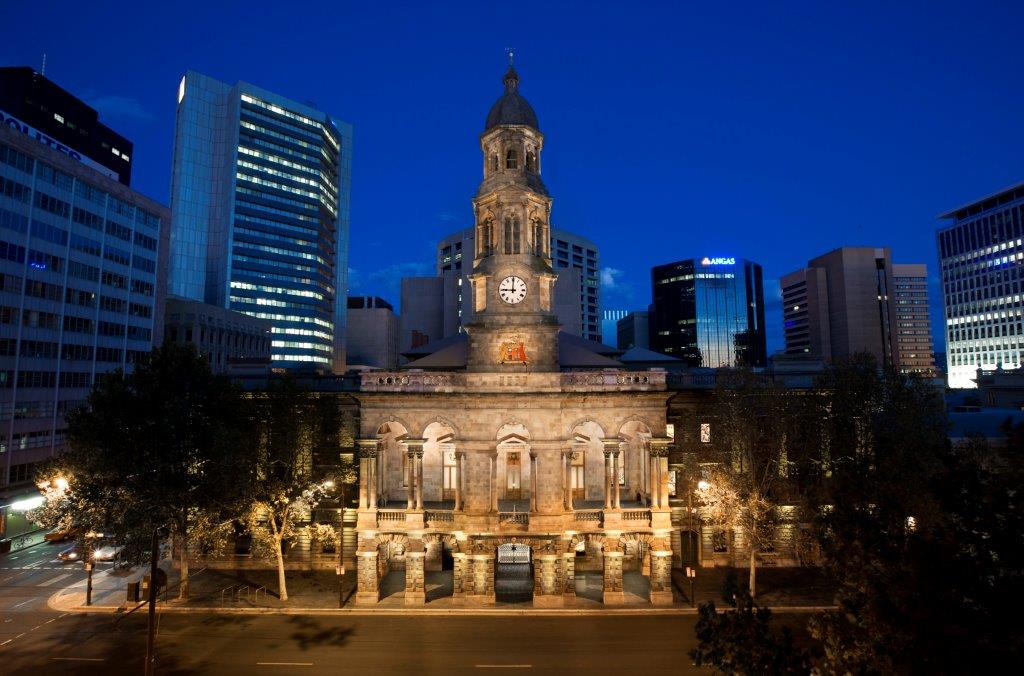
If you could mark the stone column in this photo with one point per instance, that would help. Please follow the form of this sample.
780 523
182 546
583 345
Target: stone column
616 468
410 479
661 577
547 584
567 480
367 579
569 574
479 579
459 575
367 455
533 483
460 461
419 479
415 586
607 480
494 481
659 472
613 594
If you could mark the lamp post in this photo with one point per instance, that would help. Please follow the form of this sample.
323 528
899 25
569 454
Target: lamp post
691 573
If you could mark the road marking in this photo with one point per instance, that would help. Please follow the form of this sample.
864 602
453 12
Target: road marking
23 603
63 576
79 659
50 620
7 641
504 666
284 664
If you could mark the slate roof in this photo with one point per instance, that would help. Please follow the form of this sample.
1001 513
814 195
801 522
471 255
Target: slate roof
449 354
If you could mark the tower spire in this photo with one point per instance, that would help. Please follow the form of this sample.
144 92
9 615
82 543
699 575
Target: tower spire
511 55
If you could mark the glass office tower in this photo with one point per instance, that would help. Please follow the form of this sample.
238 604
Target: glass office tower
259 214
980 256
709 312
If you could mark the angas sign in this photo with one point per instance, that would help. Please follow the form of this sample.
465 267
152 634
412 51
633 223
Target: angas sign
28 130
721 260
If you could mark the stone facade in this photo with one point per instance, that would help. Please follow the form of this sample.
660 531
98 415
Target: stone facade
514 444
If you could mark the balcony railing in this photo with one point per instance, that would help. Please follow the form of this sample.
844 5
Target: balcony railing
516 518
390 515
636 515
589 515
439 515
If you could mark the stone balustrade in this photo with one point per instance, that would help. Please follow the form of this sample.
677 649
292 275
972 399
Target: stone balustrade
391 515
589 515
636 515
513 519
439 515
411 381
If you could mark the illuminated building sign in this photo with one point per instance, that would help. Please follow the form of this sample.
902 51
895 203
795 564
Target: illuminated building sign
28 130
718 261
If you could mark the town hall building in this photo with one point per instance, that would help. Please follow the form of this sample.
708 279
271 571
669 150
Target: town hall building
514 455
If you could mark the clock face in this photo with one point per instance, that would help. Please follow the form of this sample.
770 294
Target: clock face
512 290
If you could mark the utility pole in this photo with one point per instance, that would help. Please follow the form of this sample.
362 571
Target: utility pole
151 637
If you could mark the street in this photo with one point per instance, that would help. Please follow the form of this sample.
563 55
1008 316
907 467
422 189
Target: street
37 640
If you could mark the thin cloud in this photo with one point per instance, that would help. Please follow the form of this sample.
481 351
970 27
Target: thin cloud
124 107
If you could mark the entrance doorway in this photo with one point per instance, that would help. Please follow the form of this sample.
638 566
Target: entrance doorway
514 476
513 574
579 486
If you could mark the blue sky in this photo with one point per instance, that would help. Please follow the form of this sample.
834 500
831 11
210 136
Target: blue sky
771 131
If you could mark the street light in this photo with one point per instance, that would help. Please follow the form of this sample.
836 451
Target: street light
703 485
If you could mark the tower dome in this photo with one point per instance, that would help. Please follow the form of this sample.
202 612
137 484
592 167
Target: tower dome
511 108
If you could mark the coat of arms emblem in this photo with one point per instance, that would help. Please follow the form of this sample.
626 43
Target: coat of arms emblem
513 352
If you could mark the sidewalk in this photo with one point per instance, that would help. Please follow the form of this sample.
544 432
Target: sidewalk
776 587
245 592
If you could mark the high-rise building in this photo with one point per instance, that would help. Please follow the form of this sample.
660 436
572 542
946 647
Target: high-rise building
914 350
259 210
609 325
372 333
709 312
633 331
980 255
35 106
82 268
854 299
576 299
223 336
421 318
572 252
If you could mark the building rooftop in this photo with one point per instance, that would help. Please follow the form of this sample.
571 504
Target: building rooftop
1013 192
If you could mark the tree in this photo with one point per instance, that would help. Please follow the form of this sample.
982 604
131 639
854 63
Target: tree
157 447
284 487
739 490
924 541
743 640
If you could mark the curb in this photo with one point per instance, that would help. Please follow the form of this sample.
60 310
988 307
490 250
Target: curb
367 612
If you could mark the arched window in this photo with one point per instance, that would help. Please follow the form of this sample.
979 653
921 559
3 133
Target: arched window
484 245
512 159
531 161
539 244
494 161
512 235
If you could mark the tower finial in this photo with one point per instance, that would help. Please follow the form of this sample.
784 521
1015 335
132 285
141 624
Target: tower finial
511 55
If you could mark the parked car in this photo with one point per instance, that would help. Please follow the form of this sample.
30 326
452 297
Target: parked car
60 535
106 552
70 555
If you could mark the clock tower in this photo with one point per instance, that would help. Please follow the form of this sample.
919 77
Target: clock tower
514 328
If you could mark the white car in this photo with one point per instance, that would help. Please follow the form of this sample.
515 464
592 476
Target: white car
106 552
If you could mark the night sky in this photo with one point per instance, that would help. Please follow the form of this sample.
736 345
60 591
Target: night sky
771 131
